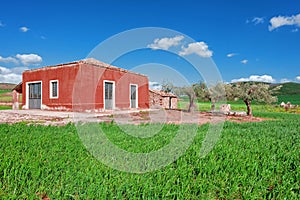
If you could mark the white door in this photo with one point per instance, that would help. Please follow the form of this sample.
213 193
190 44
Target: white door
133 96
109 95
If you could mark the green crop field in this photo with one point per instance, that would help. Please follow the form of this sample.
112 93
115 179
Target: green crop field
4 97
293 98
5 107
250 161
2 91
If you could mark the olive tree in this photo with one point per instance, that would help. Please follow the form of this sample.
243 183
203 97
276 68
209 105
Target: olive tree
250 91
189 92
213 92
179 91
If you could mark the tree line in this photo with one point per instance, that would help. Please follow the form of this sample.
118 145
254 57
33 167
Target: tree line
222 92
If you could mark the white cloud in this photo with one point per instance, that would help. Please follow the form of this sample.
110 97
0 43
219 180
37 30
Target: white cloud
8 60
9 76
244 61
256 78
14 75
19 70
1 24
29 59
24 29
155 85
165 43
199 48
258 20
4 70
279 21
231 55
298 78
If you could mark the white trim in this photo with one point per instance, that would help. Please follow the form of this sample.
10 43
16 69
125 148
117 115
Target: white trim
113 95
26 106
51 89
137 95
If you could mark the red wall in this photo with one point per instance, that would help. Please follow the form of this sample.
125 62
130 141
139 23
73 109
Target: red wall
81 86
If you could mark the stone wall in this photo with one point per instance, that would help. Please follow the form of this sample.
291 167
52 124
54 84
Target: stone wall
159 99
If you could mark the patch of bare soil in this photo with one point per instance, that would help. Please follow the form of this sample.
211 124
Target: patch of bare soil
240 119
155 116
11 118
175 117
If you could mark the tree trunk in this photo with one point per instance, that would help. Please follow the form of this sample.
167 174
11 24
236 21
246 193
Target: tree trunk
213 105
191 103
249 109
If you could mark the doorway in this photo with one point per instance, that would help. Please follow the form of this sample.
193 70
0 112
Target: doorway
35 95
133 96
109 95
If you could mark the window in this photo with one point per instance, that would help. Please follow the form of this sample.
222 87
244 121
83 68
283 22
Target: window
54 89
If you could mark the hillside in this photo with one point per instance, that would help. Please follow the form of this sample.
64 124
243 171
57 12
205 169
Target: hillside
288 88
7 86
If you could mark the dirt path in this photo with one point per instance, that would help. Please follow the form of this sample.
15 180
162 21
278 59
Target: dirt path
120 117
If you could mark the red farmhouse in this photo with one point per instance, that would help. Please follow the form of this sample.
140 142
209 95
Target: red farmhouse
84 85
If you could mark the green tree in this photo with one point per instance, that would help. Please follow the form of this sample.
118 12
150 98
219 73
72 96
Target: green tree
189 92
201 91
250 91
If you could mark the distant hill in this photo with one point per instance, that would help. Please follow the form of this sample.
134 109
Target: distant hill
7 86
288 88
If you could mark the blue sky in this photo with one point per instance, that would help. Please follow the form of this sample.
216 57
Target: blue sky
247 40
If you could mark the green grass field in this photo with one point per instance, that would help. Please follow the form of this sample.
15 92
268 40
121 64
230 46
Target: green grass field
2 91
5 107
293 98
250 161
258 160
6 97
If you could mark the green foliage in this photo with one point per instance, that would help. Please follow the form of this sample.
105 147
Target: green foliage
250 161
249 91
288 88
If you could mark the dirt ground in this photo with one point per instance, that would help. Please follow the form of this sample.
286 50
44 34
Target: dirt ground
120 117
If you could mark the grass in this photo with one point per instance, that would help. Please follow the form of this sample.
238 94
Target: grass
6 97
2 91
5 107
293 98
250 161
